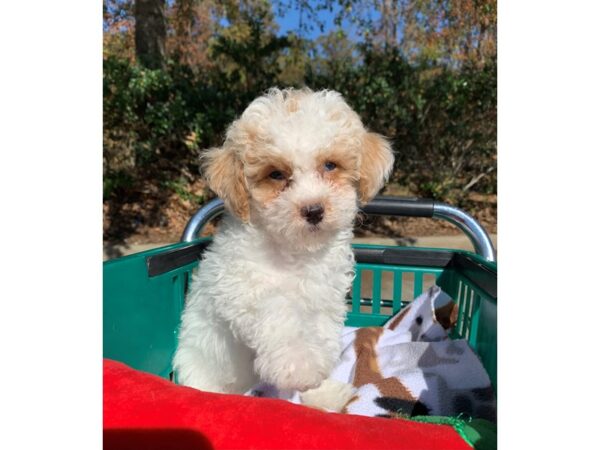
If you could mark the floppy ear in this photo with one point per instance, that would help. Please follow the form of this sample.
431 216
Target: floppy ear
375 167
224 173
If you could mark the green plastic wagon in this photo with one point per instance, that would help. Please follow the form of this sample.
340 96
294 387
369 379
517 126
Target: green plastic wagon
144 293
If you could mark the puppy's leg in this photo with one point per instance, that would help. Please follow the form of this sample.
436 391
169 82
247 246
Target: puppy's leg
210 359
332 395
291 352
291 366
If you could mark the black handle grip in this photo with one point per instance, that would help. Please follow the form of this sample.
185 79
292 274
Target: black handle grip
399 206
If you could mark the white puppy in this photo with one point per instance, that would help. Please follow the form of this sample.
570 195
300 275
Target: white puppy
268 300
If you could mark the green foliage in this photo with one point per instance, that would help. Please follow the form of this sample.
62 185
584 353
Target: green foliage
248 51
156 121
179 187
118 180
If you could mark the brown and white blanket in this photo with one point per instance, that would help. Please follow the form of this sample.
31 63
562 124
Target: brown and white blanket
410 367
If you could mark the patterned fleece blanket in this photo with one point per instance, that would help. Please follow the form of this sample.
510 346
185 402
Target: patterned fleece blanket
409 367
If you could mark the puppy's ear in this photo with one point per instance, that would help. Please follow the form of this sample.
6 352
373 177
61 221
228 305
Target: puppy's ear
375 167
224 173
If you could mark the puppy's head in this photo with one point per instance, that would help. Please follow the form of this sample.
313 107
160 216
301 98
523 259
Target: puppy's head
296 164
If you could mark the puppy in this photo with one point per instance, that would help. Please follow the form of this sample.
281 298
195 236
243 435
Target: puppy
268 300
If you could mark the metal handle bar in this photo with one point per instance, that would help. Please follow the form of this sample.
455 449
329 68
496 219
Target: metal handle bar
379 206
199 220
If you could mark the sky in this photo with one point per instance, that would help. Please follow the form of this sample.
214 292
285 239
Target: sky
291 21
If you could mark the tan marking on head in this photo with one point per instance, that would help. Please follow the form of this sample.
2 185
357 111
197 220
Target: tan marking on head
346 171
292 105
267 190
340 178
376 164
259 164
293 97
224 174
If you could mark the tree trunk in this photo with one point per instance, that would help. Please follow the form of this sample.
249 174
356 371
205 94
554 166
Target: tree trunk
150 33
389 22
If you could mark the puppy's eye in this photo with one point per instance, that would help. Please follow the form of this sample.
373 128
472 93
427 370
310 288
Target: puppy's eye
329 166
277 175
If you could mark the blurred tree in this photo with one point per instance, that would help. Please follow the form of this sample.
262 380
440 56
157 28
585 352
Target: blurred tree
333 59
192 23
294 60
454 32
119 25
150 33
389 11
248 48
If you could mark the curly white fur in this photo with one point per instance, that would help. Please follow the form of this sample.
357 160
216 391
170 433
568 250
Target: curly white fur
268 300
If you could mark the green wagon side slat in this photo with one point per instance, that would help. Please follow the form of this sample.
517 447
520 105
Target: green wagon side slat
474 325
461 308
418 285
467 312
397 291
356 288
468 309
376 291
465 324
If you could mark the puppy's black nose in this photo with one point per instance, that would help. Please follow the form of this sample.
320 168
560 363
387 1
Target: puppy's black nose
313 213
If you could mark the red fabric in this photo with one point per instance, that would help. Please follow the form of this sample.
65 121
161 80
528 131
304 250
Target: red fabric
143 411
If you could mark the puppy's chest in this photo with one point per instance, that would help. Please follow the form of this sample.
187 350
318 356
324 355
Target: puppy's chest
311 279
329 277
249 277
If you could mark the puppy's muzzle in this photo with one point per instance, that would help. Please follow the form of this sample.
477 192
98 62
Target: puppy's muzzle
313 213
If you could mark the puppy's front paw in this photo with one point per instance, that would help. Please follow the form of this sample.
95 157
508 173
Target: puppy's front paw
331 395
294 369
